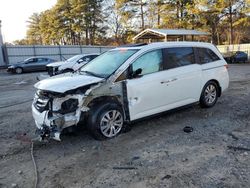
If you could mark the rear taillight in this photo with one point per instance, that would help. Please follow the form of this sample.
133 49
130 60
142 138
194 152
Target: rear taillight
226 66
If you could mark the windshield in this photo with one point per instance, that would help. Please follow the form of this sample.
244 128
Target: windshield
107 63
27 59
74 58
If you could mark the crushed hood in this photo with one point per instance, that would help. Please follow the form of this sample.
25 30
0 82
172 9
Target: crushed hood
66 82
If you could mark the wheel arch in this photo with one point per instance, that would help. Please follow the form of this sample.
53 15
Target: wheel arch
95 107
217 83
19 68
104 99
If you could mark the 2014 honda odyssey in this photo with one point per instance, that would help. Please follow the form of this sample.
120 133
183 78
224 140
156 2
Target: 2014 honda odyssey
129 83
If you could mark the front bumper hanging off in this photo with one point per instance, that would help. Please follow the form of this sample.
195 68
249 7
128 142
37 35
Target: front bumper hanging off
45 133
50 124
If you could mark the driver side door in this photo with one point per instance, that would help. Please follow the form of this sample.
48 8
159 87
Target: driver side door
31 64
145 90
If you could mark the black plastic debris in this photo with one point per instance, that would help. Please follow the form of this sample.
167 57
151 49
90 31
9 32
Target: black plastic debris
188 129
166 177
124 168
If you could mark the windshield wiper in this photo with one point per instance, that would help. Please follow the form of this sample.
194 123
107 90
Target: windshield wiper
92 74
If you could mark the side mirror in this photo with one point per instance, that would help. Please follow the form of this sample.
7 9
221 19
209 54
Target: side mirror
80 61
137 73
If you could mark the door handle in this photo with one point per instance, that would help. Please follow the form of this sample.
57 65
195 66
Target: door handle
170 80
173 79
164 82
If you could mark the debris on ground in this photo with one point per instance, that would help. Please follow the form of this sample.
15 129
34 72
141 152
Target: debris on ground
188 129
124 168
235 148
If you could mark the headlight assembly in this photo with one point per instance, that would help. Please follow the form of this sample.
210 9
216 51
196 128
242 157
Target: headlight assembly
69 106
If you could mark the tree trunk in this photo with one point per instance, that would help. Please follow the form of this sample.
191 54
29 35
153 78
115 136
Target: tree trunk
218 37
214 41
158 13
87 36
142 15
177 9
231 22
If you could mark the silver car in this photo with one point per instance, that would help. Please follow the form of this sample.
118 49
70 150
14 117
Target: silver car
70 65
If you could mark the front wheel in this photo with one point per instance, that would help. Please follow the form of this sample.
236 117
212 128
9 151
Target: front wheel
209 95
106 121
19 70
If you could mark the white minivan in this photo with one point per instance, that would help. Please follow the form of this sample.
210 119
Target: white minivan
127 84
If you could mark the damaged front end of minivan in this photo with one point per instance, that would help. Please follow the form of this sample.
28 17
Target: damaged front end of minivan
54 112
55 108
59 104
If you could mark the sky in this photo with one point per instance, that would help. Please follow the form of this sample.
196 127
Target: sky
15 13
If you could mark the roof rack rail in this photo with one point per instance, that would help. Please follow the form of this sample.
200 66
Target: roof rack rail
134 45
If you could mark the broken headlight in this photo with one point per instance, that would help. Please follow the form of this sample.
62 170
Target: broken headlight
69 106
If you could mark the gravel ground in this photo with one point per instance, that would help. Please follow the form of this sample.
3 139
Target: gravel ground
155 153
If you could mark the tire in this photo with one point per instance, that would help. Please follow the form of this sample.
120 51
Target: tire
209 94
105 121
19 70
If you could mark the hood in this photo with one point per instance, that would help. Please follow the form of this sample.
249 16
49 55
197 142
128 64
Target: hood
57 64
16 64
67 65
66 82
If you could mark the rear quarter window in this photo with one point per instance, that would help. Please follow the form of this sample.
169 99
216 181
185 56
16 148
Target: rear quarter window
179 56
206 55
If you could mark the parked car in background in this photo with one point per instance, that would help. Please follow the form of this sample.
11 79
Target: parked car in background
30 64
129 83
236 57
70 65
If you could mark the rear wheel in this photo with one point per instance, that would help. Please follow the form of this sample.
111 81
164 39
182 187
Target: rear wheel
106 121
19 70
209 95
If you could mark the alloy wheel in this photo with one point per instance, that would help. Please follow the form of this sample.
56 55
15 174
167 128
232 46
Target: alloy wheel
111 123
210 94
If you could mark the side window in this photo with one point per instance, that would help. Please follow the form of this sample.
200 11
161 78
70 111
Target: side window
149 63
206 55
176 57
86 59
41 60
123 76
93 57
32 60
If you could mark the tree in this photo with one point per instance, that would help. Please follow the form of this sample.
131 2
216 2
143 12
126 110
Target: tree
117 21
33 32
234 11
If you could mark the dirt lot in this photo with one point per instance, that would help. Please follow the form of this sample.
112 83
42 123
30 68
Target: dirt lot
157 151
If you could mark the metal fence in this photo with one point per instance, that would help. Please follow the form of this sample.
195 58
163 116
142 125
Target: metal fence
1 57
234 48
18 53
13 54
